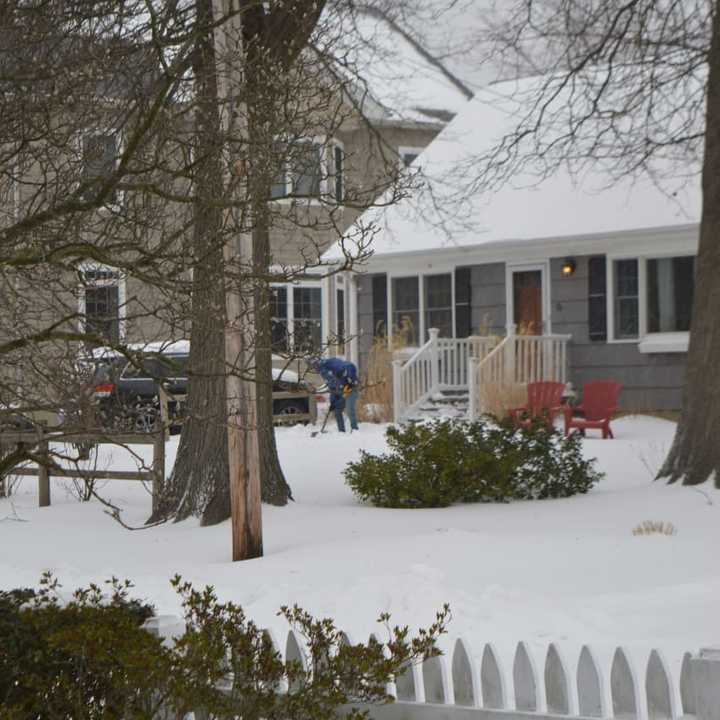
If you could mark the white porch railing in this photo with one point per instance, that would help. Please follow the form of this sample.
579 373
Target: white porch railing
518 359
440 364
475 362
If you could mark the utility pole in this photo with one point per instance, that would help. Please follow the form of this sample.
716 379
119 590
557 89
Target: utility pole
243 453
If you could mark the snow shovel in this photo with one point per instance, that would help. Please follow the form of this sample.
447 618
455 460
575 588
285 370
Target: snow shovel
322 429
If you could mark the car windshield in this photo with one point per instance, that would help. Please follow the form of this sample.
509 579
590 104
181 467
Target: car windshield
159 366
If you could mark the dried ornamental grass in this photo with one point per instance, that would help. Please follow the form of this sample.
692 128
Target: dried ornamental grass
654 527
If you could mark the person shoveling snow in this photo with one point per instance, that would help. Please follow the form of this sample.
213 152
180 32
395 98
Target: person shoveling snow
341 379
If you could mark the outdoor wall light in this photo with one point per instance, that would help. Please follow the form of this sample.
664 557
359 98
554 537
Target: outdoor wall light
568 267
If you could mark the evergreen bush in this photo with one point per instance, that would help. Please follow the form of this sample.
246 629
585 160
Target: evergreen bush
436 464
90 658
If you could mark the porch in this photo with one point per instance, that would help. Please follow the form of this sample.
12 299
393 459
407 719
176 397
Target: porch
474 365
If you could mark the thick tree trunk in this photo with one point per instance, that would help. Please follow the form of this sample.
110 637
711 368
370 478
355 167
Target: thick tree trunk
275 489
199 483
695 453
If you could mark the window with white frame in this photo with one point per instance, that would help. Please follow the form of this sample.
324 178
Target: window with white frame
651 295
439 303
626 298
296 318
312 169
670 286
99 160
406 307
102 303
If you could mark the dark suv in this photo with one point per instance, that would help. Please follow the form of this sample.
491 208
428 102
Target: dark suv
128 394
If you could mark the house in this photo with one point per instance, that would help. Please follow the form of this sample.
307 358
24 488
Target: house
578 277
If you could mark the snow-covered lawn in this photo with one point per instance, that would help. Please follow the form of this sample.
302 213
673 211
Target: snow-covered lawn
568 570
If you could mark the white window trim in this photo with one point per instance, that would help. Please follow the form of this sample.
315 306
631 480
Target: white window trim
327 179
422 330
544 268
120 139
290 286
120 281
647 342
407 150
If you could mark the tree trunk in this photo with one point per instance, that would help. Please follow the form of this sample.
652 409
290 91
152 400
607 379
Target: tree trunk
199 483
275 489
695 453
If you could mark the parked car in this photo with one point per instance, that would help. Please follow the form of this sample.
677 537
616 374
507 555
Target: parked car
127 393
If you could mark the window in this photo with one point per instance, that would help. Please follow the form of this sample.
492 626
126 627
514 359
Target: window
307 172
279 319
670 285
102 304
379 296
310 170
406 307
597 298
626 299
438 303
307 319
99 159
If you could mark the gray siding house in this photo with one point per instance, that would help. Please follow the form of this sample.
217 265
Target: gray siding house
580 278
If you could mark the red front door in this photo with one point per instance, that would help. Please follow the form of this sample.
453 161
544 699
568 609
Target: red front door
527 302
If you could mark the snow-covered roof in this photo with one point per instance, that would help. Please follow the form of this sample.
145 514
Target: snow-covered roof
399 80
528 207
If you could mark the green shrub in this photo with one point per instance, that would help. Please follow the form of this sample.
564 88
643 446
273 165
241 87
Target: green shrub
90 659
439 463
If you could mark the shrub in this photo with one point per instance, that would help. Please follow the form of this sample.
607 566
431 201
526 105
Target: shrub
440 463
91 659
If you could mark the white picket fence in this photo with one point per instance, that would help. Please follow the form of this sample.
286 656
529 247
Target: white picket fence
463 686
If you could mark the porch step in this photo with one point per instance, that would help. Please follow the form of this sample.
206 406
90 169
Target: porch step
451 403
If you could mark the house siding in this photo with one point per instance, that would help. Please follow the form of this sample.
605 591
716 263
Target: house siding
650 381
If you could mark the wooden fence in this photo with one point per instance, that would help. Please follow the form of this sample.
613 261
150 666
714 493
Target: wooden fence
461 685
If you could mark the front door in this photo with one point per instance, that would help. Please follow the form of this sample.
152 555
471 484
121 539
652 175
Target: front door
527 302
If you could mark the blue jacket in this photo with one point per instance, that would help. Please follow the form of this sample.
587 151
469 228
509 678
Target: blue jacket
337 374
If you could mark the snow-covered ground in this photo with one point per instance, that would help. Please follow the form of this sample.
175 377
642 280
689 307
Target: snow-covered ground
569 571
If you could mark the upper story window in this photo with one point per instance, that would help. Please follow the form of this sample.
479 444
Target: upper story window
99 160
313 170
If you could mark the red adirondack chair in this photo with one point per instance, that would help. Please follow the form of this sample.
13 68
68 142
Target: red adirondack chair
599 403
543 403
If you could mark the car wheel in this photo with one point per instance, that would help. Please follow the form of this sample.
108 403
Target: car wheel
292 408
145 418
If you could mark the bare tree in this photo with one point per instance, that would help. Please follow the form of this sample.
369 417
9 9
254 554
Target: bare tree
635 86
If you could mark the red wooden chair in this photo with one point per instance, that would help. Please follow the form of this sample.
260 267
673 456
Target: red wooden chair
599 403
543 403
